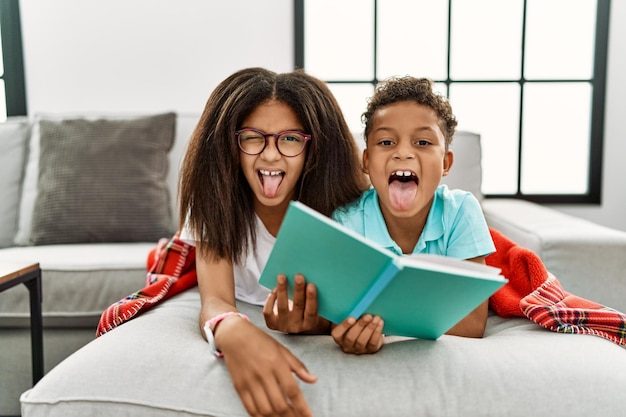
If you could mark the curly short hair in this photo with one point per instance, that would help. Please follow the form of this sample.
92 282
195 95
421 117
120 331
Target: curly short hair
419 90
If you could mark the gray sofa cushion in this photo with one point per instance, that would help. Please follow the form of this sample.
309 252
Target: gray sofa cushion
466 171
13 138
158 364
78 281
103 180
587 258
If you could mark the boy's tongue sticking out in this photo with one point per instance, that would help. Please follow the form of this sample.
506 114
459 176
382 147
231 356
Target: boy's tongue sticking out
270 181
402 189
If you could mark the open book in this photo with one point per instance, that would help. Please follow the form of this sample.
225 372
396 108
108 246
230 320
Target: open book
417 296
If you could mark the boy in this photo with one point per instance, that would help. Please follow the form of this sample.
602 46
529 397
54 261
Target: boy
408 131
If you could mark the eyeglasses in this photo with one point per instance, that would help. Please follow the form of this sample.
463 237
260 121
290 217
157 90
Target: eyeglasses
289 143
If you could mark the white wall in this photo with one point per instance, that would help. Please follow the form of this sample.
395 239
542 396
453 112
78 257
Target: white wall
146 55
154 55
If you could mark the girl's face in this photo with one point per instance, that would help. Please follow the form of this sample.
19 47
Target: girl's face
272 176
406 158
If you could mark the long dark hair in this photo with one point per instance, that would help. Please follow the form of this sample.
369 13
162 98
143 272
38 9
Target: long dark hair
215 197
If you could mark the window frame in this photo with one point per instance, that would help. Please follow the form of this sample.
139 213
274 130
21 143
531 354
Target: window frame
597 82
13 58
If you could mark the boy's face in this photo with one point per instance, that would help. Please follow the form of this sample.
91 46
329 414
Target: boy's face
406 158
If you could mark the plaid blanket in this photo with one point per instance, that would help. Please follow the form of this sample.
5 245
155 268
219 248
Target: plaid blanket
531 292
534 292
171 270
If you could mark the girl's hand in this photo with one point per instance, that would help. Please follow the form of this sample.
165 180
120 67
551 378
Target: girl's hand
299 316
364 335
262 371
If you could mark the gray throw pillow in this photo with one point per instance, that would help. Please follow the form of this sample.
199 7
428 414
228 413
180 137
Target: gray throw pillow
103 181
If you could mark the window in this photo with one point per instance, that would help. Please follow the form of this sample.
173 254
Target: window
528 75
12 87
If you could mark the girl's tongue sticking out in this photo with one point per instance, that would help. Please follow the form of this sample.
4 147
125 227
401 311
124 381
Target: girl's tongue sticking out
402 189
270 181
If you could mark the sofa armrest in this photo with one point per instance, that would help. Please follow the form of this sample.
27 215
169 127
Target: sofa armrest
588 259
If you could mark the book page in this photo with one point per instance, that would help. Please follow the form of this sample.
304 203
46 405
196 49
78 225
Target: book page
451 265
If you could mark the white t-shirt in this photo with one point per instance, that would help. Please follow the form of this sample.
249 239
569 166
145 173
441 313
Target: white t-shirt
247 274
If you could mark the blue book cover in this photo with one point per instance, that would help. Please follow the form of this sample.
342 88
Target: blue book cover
417 296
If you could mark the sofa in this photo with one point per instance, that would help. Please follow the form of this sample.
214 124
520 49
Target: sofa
158 364
82 278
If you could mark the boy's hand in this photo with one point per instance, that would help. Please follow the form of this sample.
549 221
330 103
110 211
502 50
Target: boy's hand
364 335
299 316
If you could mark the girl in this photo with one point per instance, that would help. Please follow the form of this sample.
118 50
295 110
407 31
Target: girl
263 139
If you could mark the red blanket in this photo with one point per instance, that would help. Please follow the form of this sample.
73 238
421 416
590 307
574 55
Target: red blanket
171 270
531 292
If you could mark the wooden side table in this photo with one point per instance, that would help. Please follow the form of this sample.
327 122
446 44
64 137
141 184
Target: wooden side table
28 274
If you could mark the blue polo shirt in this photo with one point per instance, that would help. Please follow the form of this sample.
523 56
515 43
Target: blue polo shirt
455 226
